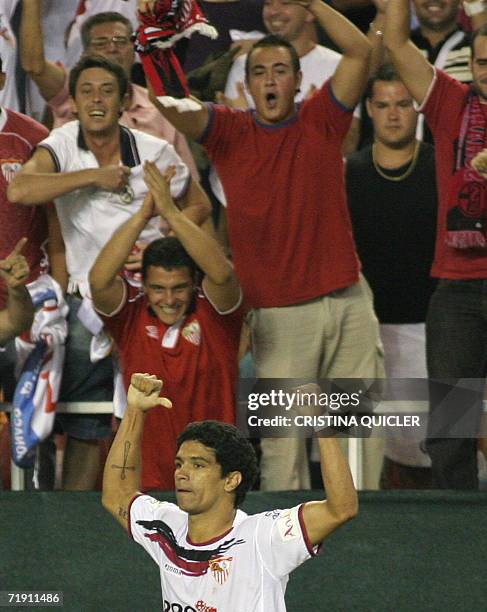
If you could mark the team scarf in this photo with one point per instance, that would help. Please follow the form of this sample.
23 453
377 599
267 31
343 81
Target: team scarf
467 211
158 32
40 357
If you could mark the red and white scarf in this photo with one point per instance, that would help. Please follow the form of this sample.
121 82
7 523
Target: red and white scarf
467 207
159 30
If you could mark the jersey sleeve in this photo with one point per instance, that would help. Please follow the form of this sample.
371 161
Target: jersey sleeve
221 133
122 318
283 542
168 157
444 102
327 112
60 144
150 523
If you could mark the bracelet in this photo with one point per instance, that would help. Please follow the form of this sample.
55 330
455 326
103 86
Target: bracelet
381 33
474 8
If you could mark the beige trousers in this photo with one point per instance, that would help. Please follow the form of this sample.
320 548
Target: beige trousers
334 336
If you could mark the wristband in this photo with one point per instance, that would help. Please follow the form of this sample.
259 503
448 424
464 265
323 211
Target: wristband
474 8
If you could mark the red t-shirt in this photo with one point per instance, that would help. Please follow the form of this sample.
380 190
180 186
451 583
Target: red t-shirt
19 135
289 227
200 374
443 109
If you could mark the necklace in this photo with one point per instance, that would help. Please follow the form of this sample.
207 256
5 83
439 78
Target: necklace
404 175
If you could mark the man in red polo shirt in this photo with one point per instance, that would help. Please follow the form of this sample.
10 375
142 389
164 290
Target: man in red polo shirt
184 333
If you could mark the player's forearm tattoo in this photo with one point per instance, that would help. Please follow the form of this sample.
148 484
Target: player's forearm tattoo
123 513
124 467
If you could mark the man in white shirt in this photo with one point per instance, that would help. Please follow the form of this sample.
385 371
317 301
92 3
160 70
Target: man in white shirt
211 555
92 170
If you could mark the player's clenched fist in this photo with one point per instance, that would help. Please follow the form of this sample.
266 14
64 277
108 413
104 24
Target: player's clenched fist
14 269
144 391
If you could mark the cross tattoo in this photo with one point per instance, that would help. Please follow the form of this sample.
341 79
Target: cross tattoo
124 467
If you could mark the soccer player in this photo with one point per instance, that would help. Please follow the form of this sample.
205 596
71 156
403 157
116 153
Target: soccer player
206 547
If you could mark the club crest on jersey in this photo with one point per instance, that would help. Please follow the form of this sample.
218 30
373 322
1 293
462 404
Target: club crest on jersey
152 331
192 333
220 568
10 168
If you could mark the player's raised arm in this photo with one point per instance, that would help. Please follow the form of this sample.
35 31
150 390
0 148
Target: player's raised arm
341 504
121 477
413 68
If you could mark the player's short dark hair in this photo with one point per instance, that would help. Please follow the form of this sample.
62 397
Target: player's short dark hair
274 40
233 451
106 17
482 31
167 253
385 72
96 61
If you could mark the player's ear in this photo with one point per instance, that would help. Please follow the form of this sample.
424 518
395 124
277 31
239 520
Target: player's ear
232 481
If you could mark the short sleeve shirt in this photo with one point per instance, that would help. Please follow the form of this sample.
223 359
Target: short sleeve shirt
245 569
288 221
443 109
89 216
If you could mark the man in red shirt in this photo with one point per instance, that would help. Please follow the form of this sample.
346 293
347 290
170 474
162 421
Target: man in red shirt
290 233
19 136
456 325
186 335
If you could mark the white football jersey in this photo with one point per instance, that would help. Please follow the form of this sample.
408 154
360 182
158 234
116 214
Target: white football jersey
245 569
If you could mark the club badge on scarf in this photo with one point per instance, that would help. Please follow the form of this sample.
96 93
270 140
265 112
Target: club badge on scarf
40 355
159 30
467 206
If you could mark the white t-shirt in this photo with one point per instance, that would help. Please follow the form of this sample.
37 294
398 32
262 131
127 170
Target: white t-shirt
244 570
90 216
317 66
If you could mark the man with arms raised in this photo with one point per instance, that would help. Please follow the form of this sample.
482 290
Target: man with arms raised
318 63
456 320
92 169
189 336
290 234
205 546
